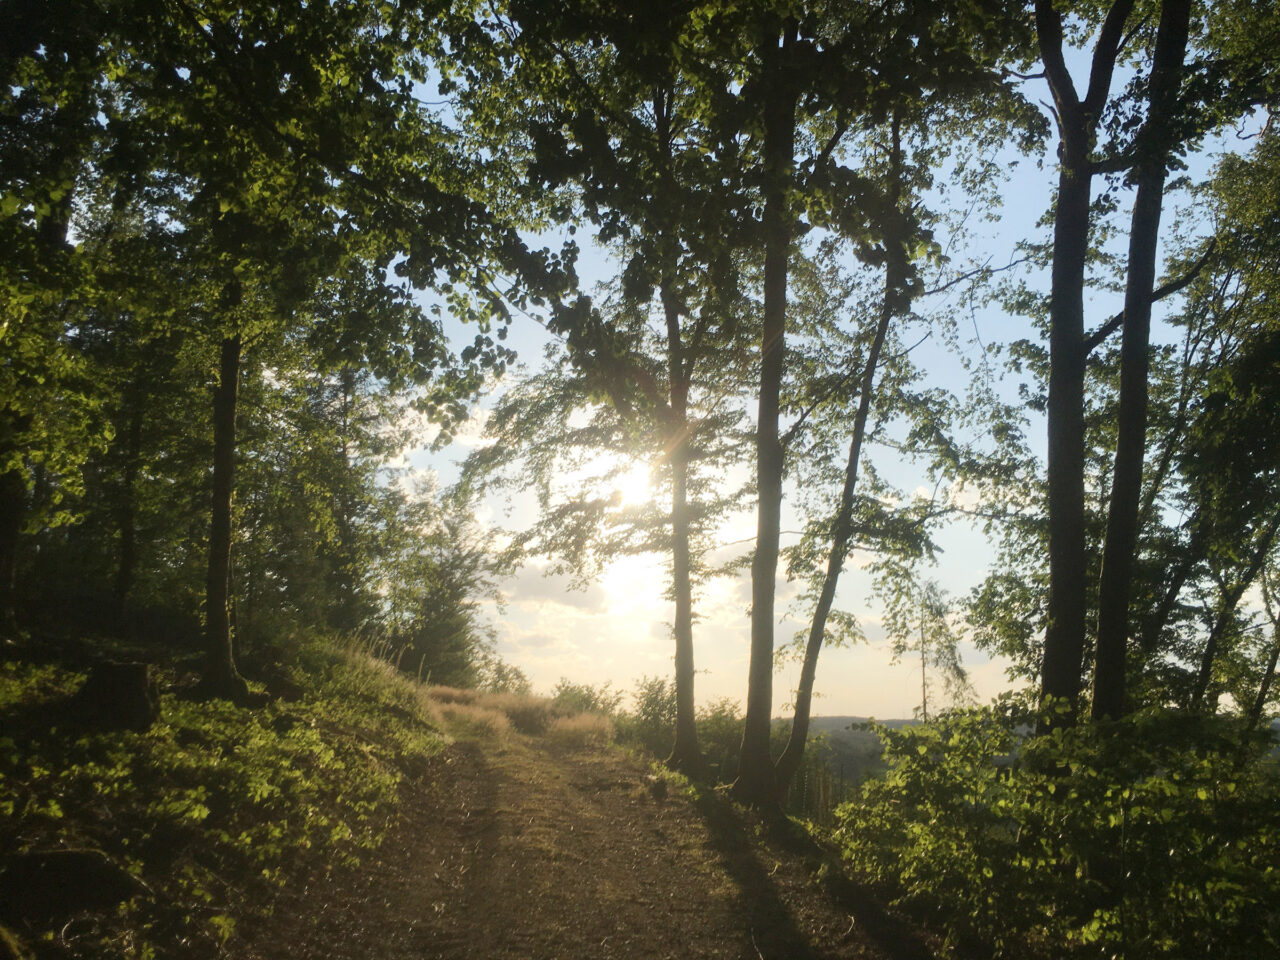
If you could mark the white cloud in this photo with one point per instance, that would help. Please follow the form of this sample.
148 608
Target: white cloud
533 585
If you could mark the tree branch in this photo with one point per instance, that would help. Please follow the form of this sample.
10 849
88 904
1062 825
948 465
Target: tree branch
825 153
978 271
1049 30
1173 286
1110 40
1006 72
1117 164
804 414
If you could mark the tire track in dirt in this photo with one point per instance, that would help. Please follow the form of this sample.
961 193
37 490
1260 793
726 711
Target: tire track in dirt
532 851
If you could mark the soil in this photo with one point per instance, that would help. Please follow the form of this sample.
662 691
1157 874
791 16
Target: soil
531 850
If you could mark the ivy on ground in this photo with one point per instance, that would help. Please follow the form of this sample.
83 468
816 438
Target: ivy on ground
212 805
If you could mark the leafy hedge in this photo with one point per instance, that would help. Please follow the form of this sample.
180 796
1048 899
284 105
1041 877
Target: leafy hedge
1157 836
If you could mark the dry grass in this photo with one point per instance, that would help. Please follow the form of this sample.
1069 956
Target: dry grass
452 695
475 720
581 730
499 713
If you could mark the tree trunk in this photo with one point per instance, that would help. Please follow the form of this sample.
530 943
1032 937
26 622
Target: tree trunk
895 302
127 513
755 783
1077 122
924 673
221 679
13 507
1126 486
1268 675
1064 634
13 495
685 754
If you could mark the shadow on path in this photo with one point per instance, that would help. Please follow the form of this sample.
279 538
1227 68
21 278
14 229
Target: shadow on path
772 932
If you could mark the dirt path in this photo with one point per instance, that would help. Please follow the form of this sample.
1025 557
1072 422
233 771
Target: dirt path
533 851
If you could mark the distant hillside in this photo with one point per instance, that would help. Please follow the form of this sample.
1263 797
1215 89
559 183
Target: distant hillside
855 751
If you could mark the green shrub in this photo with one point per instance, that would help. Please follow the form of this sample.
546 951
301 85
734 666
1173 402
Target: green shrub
720 726
652 724
1157 836
570 697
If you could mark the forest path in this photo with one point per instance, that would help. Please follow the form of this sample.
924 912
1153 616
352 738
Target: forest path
536 851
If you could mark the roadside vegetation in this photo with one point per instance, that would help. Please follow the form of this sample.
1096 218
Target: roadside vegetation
156 842
1153 836
160 842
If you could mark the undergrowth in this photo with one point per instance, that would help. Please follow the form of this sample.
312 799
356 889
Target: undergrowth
1154 837
209 805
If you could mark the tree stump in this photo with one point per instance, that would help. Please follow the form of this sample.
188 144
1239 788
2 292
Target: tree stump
117 696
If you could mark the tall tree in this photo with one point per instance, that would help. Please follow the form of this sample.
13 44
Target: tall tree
618 98
780 96
1166 110
280 170
895 301
1078 118
806 85
1154 147
50 130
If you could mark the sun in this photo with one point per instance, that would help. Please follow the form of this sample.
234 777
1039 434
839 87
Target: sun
634 485
622 481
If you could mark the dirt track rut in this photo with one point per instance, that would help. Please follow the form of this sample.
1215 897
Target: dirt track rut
532 851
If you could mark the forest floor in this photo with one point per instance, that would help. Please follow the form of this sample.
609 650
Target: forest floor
530 849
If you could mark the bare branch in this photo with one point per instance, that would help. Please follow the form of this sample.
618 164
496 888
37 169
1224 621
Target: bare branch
1173 286
983 270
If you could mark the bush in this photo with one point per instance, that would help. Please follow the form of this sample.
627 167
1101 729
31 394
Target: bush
720 726
1156 836
652 724
584 698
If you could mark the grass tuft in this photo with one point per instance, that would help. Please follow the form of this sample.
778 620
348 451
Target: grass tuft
581 730
475 720
496 714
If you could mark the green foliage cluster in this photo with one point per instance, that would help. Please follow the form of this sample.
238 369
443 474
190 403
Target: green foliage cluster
213 804
651 722
650 726
1155 836
584 697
